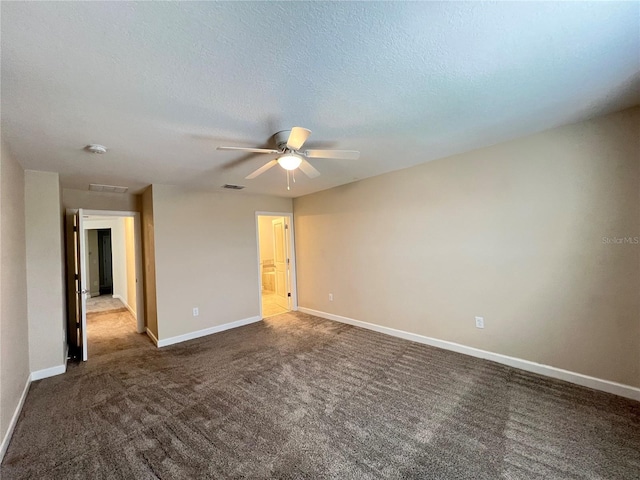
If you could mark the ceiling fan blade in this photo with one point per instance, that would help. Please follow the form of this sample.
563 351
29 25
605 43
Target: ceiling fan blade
308 169
248 149
297 137
337 154
262 169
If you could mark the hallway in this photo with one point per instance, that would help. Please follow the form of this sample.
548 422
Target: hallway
112 331
103 303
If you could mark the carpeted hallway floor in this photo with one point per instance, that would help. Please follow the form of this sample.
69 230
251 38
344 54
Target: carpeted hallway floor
296 396
103 303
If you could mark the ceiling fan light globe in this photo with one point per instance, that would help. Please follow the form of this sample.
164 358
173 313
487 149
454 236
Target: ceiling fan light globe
289 162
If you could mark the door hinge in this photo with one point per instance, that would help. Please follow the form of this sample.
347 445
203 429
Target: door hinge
75 229
287 261
77 324
289 294
286 227
76 276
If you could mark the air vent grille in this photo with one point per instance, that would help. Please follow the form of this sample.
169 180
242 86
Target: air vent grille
233 187
96 187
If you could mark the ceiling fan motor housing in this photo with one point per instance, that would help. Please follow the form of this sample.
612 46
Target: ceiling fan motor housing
281 139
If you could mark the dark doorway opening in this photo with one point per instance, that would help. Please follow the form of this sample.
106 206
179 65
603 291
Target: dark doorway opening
105 262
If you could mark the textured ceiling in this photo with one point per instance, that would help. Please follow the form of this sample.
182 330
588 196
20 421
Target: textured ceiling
162 84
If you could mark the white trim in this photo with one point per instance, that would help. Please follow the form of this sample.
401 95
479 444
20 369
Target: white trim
84 281
578 378
14 419
137 239
274 214
48 372
127 306
152 336
133 313
257 220
111 213
207 331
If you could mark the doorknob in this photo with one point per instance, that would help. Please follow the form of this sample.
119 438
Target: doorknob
82 292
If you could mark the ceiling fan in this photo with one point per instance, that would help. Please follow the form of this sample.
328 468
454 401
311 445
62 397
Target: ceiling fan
291 155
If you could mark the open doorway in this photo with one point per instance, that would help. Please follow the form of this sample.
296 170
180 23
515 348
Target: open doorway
111 266
275 247
99 259
104 268
105 261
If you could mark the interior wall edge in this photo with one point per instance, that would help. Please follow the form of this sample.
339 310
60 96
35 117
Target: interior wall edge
48 372
126 305
165 342
14 419
32 377
151 336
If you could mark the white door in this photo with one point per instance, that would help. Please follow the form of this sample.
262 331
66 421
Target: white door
281 261
76 281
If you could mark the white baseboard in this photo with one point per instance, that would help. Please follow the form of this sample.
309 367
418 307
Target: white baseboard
14 419
546 370
152 337
48 372
126 305
33 376
207 331
131 311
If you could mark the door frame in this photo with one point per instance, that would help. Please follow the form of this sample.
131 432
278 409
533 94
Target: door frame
76 281
101 257
137 239
292 257
282 268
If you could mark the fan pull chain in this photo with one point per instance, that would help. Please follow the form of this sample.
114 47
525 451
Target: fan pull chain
288 186
293 175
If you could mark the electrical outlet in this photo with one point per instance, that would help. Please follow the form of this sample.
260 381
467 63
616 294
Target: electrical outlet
331 297
479 322
196 312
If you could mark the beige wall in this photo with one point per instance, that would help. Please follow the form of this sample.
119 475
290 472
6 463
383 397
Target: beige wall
45 289
123 202
513 232
206 256
130 258
149 259
14 341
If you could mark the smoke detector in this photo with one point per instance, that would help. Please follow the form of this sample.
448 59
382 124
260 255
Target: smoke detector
95 148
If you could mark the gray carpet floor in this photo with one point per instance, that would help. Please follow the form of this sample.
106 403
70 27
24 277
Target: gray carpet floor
297 397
